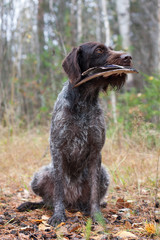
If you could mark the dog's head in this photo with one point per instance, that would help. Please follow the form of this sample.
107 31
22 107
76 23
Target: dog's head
94 54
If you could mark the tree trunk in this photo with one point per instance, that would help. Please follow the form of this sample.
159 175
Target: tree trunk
98 21
106 22
79 21
107 42
41 24
123 12
145 32
73 23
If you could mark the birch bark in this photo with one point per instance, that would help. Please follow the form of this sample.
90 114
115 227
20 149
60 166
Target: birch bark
123 12
79 21
123 7
107 42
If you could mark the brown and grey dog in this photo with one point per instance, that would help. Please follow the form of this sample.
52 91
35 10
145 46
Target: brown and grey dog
76 178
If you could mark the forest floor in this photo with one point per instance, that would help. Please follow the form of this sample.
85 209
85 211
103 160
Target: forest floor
133 201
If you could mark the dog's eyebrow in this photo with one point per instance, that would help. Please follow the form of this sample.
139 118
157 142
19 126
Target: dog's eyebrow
101 46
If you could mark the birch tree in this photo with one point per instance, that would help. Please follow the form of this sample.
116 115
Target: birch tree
98 21
73 22
79 21
106 22
107 42
124 21
123 13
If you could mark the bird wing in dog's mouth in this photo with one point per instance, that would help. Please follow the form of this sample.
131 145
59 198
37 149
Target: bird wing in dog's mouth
105 72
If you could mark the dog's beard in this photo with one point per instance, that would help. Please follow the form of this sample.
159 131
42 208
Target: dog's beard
114 82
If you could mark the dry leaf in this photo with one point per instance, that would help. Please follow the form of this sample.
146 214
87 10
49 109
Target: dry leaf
79 214
43 227
120 203
150 228
22 236
128 225
45 218
62 231
27 228
126 235
36 221
60 225
74 227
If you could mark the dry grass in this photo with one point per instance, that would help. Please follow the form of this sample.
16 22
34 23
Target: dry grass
21 155
130 162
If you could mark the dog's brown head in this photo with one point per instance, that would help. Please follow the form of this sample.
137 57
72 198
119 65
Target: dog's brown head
93 54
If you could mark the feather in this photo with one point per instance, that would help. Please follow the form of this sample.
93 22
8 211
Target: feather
105 71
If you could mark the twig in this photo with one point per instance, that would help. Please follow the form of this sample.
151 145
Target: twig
157 177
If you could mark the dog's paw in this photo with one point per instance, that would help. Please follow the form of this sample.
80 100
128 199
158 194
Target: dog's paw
56 219
30 206
24 206
103 205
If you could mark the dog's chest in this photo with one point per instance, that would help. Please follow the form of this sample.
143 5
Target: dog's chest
76 134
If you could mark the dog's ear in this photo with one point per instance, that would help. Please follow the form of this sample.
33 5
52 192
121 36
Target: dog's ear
71 65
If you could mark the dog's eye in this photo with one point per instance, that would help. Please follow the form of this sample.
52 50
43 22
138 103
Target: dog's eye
99 50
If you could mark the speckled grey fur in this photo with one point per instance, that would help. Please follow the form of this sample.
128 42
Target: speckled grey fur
76 141
76 178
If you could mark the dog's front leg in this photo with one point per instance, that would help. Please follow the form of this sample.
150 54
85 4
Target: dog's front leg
58 196
94 169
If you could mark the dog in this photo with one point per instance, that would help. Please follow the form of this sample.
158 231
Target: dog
76 178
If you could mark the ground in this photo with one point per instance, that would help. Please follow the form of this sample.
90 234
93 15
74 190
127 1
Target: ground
133 202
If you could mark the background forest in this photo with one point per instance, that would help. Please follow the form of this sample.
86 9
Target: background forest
35 37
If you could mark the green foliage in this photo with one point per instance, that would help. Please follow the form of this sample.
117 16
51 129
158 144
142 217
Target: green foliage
100 219
143 105
88 228
138 113
41 82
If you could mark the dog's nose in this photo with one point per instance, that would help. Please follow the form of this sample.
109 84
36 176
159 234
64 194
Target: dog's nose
126 57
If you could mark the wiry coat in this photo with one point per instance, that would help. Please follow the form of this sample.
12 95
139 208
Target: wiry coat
76 178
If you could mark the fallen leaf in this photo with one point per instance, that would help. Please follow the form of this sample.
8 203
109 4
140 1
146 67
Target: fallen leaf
43 227
126 235
22 236
27 228
37 221
74 227
60 225
62 231
120 203
79 214
45 217
150 228
128 225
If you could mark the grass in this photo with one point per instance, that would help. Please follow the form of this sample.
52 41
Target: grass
88 228
21 155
